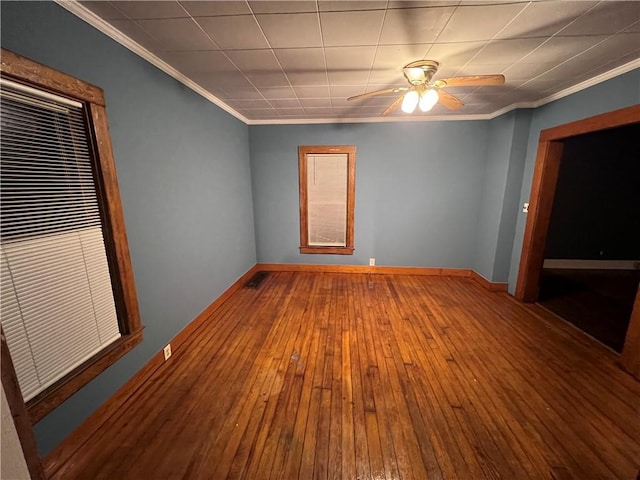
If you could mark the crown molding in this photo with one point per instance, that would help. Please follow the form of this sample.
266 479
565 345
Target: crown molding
95 21
92 19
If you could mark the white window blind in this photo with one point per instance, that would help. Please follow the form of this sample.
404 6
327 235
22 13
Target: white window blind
327 199
57 306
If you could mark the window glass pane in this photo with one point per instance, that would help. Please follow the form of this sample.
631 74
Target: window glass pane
327 199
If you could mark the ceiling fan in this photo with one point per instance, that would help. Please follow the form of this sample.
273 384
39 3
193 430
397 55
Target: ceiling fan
424 93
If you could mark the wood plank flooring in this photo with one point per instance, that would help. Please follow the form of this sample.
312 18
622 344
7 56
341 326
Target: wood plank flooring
350 376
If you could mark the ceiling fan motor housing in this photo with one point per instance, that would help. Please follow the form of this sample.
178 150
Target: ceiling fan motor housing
420 72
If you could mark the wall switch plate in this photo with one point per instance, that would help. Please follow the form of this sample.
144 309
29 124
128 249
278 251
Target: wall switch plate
372 262
167 351
525 207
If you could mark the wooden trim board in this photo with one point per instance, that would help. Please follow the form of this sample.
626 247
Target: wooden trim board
491 286
63 452
19 413
630 358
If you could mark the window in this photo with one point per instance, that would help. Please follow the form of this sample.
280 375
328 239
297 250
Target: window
327 198
68 303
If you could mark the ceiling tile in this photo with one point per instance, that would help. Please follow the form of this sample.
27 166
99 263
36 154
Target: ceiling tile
342 5
350 58
255 61
285 103
230 81
337 27
343 77
304 66
319 110
259 66
315 102
605 18
414 25
291 30
381 100
394 57
387 77
199 61
526 71
311 91
344 91
543 19
274 6
349 65
559 48
284 91
234 33
481 69
177 34
475 22
308 78
453 55
105 10
138 10
217 8
507 51
242 90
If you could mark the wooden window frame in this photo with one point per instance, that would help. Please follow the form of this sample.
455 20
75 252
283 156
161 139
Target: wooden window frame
303 151
23 70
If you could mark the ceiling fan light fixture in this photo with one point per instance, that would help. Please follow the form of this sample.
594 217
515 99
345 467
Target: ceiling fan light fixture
410 101
428 99
415 75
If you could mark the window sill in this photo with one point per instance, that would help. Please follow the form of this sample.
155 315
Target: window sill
47 400
328 250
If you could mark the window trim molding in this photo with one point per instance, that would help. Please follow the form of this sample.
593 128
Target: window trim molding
303 151
24 70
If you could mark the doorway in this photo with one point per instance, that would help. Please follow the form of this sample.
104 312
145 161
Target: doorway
545 179
591 266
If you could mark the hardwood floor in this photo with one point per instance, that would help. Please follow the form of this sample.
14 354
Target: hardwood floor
598 302
350 376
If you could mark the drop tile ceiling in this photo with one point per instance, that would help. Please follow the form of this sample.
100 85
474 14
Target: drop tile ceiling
298 61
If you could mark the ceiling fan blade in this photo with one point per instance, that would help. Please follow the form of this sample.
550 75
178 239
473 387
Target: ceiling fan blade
394 106
449 101
378 92
473 81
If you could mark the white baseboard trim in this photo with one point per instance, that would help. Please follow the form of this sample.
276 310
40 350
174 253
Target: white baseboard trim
592 264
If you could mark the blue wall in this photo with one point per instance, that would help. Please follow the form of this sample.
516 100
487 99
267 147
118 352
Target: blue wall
418 187
183 169
619 92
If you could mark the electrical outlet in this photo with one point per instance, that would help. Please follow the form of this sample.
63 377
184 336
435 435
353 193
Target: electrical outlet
525 207
372 262
167 351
